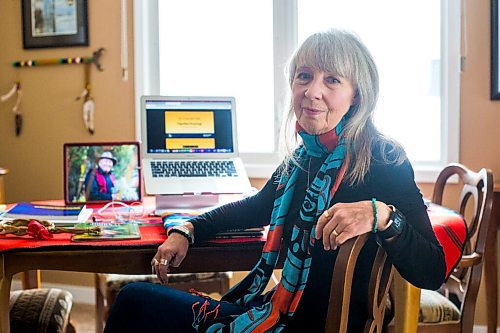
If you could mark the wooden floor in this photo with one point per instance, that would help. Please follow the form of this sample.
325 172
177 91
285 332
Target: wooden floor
83 318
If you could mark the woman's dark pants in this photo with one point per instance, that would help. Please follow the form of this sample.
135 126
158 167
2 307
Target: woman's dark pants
148 307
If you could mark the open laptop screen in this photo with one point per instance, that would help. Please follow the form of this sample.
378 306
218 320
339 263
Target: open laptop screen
191 126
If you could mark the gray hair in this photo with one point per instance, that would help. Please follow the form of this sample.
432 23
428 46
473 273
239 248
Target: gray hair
343 53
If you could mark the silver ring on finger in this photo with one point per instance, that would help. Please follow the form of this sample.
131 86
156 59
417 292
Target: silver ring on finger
164 262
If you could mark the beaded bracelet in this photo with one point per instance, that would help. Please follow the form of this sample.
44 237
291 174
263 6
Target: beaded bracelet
375 216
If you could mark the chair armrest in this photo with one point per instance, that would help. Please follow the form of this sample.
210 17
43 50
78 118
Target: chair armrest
470 260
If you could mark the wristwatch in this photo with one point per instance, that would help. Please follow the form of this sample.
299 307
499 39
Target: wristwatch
182 230
394 226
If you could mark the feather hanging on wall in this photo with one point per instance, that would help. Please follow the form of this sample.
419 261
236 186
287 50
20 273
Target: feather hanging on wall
16 109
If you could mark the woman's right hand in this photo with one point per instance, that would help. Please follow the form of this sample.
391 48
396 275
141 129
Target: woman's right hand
171 253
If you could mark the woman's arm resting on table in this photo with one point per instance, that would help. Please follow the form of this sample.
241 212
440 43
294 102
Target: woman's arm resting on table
249 212
253 211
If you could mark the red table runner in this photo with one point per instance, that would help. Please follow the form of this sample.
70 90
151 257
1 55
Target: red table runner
448 225
150 235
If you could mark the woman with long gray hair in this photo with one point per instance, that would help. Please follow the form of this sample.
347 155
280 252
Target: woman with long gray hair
340 178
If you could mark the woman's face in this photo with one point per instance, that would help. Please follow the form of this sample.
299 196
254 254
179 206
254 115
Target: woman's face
105 164
320 99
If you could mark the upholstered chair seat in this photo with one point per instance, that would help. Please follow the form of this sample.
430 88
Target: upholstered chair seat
40 311
435 308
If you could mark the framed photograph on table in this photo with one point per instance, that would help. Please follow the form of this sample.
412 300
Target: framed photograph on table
102 172
54 23
495 44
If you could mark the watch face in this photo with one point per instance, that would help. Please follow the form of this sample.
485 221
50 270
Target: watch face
398 217
395 228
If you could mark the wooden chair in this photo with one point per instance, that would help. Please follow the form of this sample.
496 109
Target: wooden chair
451 309
108 286
340 292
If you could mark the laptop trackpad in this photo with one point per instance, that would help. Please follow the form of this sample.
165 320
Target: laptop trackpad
197 186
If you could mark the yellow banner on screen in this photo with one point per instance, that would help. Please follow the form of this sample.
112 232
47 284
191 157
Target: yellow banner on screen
189 122
190 143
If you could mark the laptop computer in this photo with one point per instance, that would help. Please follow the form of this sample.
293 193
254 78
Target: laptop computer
189 146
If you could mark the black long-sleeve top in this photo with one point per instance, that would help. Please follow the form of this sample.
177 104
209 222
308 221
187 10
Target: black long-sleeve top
416 253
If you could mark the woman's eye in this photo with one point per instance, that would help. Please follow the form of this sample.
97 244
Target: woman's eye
303 76
332 80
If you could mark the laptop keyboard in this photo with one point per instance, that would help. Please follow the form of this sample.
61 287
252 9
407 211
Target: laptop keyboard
193 169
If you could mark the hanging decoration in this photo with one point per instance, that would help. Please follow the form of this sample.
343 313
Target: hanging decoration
11 92
95 59
88 103
16 89
88 106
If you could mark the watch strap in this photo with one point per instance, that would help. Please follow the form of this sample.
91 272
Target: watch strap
182 230
394 225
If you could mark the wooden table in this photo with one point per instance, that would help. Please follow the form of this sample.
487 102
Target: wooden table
490 265
136 260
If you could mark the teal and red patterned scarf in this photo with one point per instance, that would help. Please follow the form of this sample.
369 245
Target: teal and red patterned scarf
283 300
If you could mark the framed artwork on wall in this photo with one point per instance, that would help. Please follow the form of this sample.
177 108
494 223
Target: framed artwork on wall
54 23
495 44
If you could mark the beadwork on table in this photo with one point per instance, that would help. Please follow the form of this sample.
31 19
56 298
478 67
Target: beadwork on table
40 229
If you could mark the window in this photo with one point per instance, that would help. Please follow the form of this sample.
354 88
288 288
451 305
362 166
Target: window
239 48
215 55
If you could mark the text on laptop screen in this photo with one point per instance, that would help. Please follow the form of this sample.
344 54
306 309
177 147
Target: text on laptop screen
189 127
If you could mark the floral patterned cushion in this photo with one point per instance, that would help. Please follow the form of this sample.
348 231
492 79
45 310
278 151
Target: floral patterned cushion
40 310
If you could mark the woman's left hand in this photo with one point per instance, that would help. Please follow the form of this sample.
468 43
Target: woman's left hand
344 221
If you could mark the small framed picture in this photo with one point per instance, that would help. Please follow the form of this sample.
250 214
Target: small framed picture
102 172
54 23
